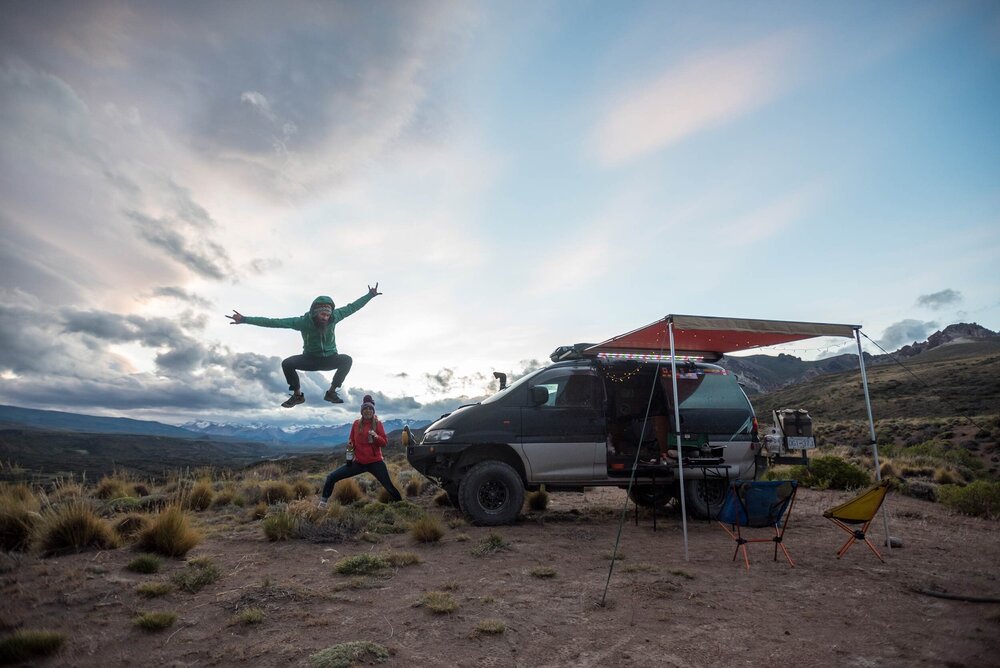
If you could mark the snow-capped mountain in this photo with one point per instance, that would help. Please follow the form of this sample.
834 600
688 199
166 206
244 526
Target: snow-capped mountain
318 435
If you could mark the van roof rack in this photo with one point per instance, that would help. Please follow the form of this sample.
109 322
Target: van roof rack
573 352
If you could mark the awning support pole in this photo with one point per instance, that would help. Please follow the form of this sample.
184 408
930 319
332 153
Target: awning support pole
871 432
677 424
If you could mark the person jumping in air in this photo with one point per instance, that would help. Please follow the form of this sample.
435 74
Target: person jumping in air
364 453
319 344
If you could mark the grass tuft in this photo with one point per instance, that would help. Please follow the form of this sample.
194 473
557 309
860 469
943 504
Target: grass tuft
347 491
249 616
538 500
27 644
200 497
154 621
543 572
74 528
281 525
278 491
361 564
492 543
154 589
198 574
491 627
18 516
145 563
169 534
439 602
402 558
349 654
427 529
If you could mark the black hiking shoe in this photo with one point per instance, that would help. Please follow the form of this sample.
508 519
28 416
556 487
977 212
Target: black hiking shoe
293 400
332 396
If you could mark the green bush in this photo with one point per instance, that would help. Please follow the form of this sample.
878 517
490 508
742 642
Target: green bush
830 472
979 499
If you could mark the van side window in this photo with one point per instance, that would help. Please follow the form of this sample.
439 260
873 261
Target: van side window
571 388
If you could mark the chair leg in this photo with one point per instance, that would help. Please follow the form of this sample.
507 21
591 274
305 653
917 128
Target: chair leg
845 547
872 548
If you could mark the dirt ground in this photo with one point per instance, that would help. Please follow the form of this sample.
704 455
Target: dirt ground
660 609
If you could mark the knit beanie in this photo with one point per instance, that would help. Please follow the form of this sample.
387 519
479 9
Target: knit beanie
323 308
368 402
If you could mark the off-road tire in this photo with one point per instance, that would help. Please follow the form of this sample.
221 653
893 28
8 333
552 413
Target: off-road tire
644 497
491 493
705 497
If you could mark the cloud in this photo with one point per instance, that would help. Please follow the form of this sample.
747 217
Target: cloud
202 256
692 96
939 300
180 294
903 332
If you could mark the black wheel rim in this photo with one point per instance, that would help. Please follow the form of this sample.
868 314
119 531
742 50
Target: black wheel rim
492 495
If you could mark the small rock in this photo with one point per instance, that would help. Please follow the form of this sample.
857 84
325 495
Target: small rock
895 542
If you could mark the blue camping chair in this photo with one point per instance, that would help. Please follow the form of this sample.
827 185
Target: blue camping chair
758 504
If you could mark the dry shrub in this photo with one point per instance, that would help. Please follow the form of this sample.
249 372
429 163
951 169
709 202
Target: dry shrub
223 497
266 471
73 527
140 489
278 491
145 563
169 533
252 493
442 499
259 511
18 516
945 475
427 529
888 470
489 627
111 487
538 500
302 488
66 489
383 495
198 574
414 486
200 496
347 491
130 525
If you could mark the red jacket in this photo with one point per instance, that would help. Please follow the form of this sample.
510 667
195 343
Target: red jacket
365 451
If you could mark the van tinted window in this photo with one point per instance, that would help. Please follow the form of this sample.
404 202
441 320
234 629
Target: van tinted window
712 401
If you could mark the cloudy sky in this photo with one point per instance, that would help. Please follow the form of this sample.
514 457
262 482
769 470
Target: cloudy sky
515 175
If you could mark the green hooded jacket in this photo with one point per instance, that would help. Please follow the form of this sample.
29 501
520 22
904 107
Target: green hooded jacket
318 341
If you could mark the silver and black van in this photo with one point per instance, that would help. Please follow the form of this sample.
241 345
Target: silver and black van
588 421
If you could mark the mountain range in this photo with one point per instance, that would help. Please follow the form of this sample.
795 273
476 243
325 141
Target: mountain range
759 374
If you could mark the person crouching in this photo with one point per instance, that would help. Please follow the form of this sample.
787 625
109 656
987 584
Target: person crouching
364 453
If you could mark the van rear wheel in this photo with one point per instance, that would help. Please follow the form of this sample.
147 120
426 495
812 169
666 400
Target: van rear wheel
705 497
491 493
648 496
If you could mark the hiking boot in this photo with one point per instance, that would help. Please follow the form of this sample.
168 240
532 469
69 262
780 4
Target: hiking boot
322 504
294 400
332 397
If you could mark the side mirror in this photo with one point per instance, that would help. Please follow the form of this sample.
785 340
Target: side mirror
539 395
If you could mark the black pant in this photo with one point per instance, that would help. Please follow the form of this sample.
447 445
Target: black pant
342 363
352 468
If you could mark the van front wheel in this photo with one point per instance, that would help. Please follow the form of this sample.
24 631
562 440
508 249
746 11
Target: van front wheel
491 493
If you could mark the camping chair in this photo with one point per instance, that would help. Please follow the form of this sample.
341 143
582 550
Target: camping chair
758 504
859 510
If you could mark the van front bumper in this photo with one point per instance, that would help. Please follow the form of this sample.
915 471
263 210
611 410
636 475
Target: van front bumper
435 460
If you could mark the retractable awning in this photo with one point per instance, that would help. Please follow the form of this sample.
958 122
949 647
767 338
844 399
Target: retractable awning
708 336
702 335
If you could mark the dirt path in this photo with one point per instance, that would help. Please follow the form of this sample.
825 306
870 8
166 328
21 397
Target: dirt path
660 609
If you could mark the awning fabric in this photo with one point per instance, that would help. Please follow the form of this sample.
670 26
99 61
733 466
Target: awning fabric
700 335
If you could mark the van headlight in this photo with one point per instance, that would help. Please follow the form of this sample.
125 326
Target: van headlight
437 436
